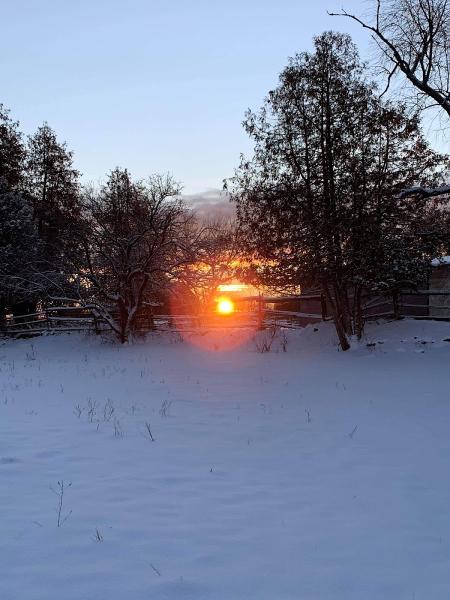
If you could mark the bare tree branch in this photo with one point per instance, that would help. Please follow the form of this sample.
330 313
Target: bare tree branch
414 36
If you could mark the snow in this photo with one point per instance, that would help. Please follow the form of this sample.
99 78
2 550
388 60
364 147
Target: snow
310 473
438 262
426 192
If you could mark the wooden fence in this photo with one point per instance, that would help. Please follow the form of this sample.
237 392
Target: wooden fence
422 304
252 311
59 318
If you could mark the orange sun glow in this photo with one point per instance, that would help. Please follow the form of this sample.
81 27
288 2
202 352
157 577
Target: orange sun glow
225 306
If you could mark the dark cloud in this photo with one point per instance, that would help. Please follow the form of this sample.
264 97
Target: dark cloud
211 204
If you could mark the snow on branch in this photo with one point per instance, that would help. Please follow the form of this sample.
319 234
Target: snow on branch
425 192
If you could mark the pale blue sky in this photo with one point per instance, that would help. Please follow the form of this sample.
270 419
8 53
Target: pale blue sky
153 85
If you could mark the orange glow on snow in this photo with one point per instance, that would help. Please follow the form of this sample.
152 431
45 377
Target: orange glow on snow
220 325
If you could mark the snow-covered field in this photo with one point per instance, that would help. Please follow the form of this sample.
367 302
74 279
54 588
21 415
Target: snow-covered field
306 474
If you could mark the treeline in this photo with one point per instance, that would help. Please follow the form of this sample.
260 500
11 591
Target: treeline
39 205
343 191
116 248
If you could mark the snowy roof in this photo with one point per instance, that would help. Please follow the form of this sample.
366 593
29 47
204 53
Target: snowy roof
438 262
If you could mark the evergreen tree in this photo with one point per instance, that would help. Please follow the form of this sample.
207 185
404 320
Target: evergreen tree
19 251
53 184
319 201
12 151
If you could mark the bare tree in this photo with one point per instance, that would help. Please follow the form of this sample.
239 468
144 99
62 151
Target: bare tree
132 245
413 37
218 260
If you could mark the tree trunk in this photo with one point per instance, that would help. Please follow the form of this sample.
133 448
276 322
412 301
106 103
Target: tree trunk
337 319
2 316
358 318
342 308
123 322
342 335
396 305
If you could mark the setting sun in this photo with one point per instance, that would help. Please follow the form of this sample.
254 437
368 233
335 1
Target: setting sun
225 306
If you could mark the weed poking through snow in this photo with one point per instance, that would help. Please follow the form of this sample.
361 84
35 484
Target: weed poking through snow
92 409
352 432
264 340
98 537
165 407
78 411
149 431
61 488
118 431
108 410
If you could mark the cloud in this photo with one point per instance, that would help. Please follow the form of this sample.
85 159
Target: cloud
211 204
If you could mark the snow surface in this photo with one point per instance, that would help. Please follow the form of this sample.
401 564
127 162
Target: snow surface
438 262
306 474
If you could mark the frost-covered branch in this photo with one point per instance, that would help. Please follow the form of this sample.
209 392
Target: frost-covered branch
425 192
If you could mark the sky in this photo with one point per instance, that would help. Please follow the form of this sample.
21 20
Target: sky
153 85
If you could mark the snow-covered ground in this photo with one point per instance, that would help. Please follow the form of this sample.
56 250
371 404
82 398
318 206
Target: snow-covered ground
305 474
